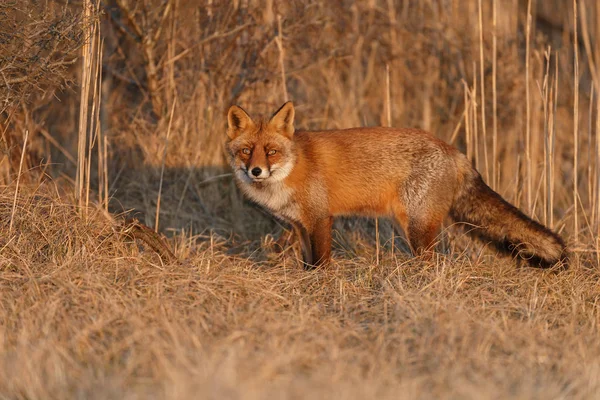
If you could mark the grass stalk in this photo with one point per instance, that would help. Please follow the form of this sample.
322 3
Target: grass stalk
482 95
162 168
553 141
105 170
575 125
101 138
14 206
495 170
474 126
590 160
596 204
86 72
468 141
528 172
94 125
547 106
388 107
279 41
585 33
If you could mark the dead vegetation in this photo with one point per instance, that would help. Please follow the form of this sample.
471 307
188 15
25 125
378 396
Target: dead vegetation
86 315
94 307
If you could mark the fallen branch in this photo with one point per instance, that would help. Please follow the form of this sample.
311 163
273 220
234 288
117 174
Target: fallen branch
134 229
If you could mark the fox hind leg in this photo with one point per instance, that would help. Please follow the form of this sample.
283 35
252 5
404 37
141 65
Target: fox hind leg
421 228
427 196
422 234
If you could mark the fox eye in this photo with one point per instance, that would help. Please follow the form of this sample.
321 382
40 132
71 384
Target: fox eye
271 152
246 150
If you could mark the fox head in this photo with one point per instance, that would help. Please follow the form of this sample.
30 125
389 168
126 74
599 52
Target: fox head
261 151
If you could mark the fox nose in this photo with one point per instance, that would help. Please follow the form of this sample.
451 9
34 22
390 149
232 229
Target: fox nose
256 171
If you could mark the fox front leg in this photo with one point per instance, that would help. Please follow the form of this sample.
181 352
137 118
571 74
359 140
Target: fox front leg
315 242
320 240
305 245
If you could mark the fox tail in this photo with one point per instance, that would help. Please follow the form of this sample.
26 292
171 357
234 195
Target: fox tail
493 220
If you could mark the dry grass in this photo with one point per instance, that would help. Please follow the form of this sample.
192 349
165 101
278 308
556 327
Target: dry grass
86 315
88 312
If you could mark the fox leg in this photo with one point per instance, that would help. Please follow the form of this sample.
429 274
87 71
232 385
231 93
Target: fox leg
305 243
320 239
422 234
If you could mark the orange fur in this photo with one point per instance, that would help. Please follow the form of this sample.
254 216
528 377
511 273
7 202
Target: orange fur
307 178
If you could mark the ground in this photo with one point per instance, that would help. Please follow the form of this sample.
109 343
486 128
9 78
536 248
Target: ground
88 314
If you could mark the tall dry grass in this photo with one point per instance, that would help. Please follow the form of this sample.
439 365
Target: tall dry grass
90 311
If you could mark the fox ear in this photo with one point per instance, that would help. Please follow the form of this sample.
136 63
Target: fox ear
237 121
283 119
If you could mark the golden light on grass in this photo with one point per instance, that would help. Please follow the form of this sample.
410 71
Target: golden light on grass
85 311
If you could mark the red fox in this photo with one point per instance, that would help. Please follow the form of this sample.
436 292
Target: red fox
308 178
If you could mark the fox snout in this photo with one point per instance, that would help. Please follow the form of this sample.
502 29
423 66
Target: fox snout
256 171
